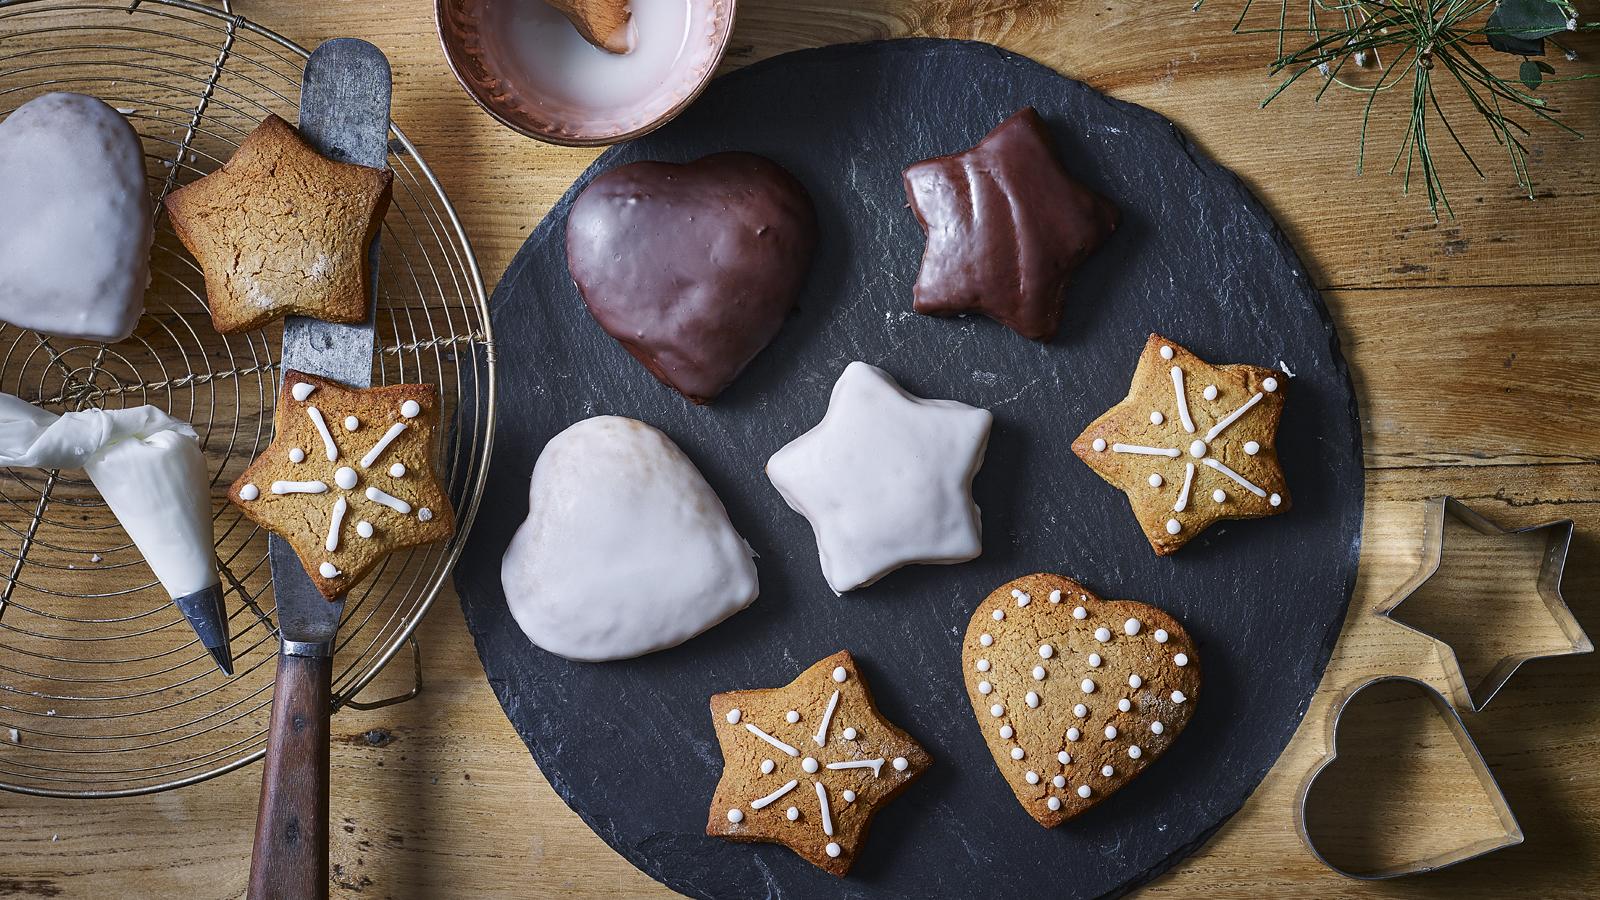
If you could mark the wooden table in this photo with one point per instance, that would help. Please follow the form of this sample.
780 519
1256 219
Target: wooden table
1475 344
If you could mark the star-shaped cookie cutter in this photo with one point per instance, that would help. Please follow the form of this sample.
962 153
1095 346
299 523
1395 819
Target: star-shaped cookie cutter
1558 538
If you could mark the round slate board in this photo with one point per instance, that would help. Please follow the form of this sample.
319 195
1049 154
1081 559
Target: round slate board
630 745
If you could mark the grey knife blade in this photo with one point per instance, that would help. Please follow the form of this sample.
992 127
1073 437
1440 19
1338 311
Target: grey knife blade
344 114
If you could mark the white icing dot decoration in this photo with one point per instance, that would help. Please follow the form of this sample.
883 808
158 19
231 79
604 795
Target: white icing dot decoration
983 665
1181 660
351 423
410 409
1032 699
849 796
364 528
997 710
1106 771
1021 598
249 492
1131 627
733 717
1156 418
1135 682
1161 635
398 470
345 477
986 639
1269 384
1219 495
1102 634
735 816
1155 480
329 570
1038 673
1111 732
1178 697
1197 448
1054 803
999 615
1031 777
1275 500
900 763
1007 732
1059 781
1080 613
424 515
1210 393
296 455
1084 791
1125 704
792 814
1251 448
1055 596
1087 686
850 734
839 674
1080 710
1134 752
302 390
833 849
1017 753
1073 734
792 716
1166 352
1046 651
985 688
1174 526
1095 660
767 766
809 765
1099 445
1157 728
1064 758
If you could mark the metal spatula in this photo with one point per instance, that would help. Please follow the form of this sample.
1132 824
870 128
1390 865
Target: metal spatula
344 114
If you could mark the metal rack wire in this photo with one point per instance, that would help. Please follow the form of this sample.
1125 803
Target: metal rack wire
104 690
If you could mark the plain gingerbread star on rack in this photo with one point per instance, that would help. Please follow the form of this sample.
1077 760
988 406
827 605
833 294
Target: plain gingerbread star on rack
280 230
809 764
1192 444
348 477
1006 226
885 478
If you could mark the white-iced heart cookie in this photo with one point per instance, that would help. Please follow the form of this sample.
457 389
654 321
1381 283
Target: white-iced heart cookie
885 478
75 249
1075 695
626 549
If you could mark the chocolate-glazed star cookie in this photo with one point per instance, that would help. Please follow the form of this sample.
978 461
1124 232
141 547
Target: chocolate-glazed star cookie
1006 226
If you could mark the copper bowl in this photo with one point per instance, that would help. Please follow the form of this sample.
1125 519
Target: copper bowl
495 84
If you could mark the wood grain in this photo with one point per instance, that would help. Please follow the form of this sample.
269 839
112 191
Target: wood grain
1473 343
290 855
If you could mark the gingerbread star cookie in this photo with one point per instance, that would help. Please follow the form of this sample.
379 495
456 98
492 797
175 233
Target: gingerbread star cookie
1076 696
885 478
1192 444
1006 226
280 230
348 477
809 764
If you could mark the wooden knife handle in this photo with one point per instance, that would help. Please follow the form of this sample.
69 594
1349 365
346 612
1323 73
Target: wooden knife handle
290 858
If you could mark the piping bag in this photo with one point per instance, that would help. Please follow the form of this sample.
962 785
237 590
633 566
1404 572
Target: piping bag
149 468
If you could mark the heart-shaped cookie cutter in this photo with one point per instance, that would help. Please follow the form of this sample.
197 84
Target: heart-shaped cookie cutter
1510 834
1548 586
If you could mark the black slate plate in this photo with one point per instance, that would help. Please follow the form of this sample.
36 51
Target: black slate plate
630 746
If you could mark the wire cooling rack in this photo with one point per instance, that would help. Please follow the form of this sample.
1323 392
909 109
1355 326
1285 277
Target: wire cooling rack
104 690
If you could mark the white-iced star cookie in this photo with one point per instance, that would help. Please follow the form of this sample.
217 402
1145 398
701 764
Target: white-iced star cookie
885 478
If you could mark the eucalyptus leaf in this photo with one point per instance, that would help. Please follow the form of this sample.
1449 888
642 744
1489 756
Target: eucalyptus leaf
1530 75
1528 19
1516 46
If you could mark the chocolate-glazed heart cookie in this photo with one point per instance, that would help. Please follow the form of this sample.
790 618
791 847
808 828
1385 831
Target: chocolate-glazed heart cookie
1075 695
692 267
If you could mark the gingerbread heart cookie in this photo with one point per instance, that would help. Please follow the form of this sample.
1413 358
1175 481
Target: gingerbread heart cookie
692 267
1075 695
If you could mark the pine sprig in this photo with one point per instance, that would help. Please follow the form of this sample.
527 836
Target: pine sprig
1412 43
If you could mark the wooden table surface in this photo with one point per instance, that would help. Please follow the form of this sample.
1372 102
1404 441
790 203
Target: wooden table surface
1475 344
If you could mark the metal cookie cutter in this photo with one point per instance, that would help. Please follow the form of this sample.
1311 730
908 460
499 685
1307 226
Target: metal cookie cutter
1510 832
1558 537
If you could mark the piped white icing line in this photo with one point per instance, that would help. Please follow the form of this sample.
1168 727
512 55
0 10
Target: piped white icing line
1183 399
1245 482
1232 417
302 390
328 446
345 477
389 500
410 409
768 800
296 455
340 507
770 739
1142 450
1188 482
876 765
364 528
249 492
383 443
329 570
821 737
299 487
827 814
